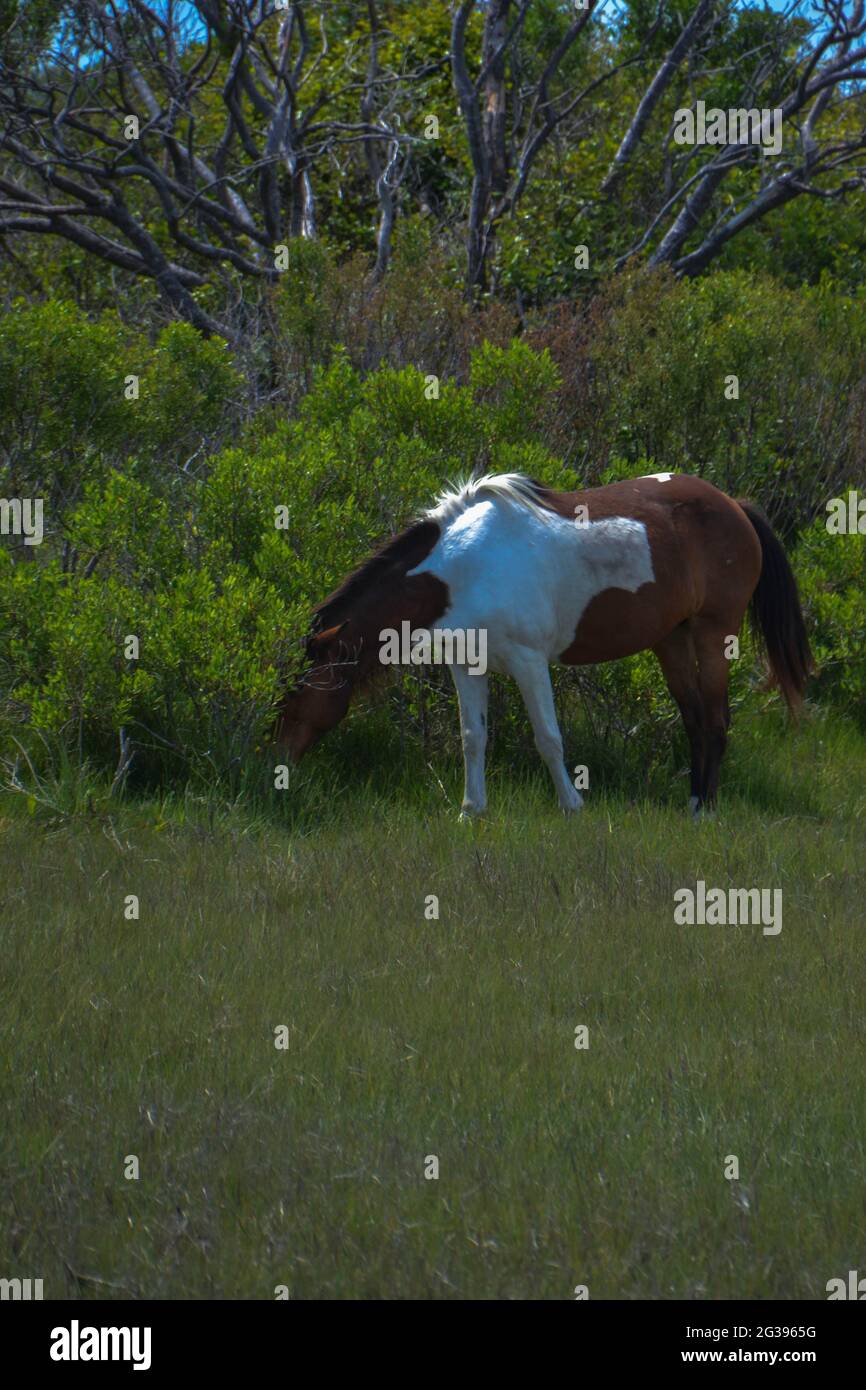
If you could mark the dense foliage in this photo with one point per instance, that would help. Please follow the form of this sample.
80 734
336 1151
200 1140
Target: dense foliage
207 524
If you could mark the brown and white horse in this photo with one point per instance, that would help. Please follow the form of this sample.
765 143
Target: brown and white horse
661 562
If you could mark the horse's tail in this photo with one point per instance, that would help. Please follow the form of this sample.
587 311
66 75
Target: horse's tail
777 614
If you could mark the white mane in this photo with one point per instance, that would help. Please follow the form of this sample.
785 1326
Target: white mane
512 487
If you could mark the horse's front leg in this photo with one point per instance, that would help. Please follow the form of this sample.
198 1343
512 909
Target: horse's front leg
472 696
532 673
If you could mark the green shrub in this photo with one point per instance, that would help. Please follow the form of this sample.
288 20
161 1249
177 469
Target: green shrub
645 374
193 563
216 593
66 415
832 575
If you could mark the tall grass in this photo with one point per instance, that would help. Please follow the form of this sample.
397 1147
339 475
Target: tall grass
411 1037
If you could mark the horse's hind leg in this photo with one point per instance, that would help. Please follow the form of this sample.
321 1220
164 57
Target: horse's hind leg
713 674
678 659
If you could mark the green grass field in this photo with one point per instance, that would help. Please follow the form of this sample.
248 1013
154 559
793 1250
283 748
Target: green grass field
455 1037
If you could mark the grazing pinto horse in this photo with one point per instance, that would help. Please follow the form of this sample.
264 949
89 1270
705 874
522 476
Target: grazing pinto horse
662 562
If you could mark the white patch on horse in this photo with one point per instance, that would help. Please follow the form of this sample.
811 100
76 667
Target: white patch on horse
659 477
529 578
526 576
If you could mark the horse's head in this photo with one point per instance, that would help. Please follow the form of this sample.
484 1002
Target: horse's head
322 695
346 653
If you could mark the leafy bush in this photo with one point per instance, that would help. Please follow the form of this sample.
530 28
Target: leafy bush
66 417
644 377
215 591
215 567
832 575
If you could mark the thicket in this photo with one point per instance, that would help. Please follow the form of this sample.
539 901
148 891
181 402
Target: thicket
207 511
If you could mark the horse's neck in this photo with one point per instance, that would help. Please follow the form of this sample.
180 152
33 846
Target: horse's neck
418 600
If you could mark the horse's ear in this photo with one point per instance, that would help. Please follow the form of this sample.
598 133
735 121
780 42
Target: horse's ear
321 639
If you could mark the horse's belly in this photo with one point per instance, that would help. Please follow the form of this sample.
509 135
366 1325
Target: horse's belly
616 624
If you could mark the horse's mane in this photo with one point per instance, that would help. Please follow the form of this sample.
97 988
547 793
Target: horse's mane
413 545
513 487
407 550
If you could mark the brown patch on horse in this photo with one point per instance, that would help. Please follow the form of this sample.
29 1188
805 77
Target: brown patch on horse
709 559
695 534
394 559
